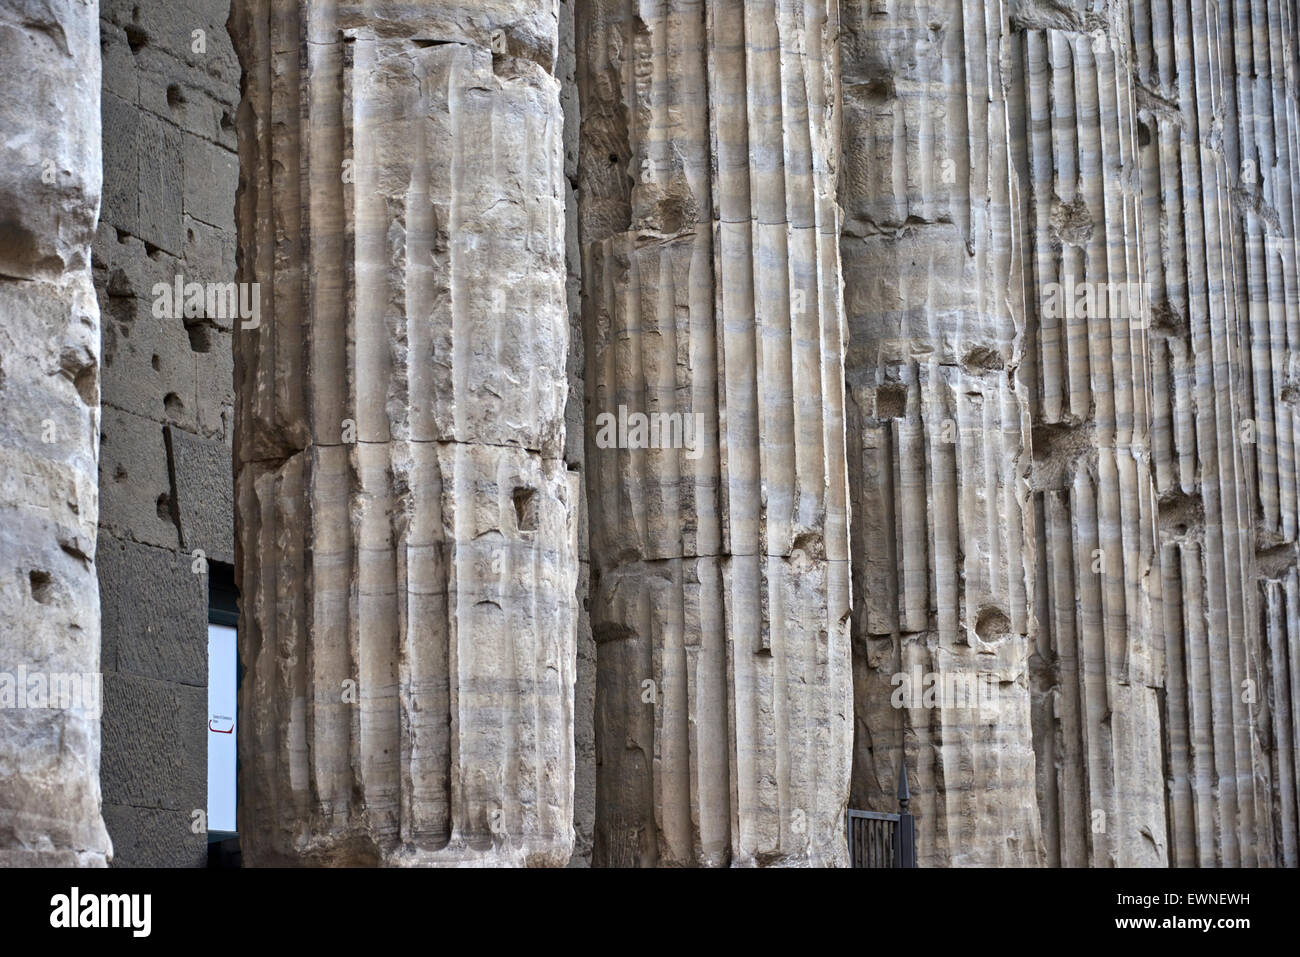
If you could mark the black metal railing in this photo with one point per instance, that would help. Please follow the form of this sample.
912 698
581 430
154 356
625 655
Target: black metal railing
884 840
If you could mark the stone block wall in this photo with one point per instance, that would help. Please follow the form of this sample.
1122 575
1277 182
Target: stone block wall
170 88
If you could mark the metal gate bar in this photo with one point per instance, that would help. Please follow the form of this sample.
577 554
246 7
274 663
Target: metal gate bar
877 839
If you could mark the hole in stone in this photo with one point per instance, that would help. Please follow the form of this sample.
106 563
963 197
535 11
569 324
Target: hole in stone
992 622
227 121
526 509
175 98
891 401
189 234
1181 513
119 473
980 359
811 544
164 507
173 405
152 251
1144 134
119 284
122 236
136 37
613 157
42 585
86 382
154 362
879 90
122 311
200 334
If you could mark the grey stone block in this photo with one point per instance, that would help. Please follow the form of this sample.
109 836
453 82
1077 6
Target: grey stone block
149 364
185 106
192 705
148 747
118 70
121 168
157 28
216 72
134 484
154 612
204 494
135 271
216 390
160 184
210 256
148 837
220 64
211 178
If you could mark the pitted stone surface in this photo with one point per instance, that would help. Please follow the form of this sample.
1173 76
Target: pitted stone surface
969 335
407 546
50 182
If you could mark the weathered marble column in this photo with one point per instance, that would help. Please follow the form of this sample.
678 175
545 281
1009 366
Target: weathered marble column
1226 426
1192 264
406 526
49 436
939 427
1099 661
1261 753
719 541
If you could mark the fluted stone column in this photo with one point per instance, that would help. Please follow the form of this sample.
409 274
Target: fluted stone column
50 686
939 427
1203 438
1259 754
1230 341
406 526
1099 663
720 577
